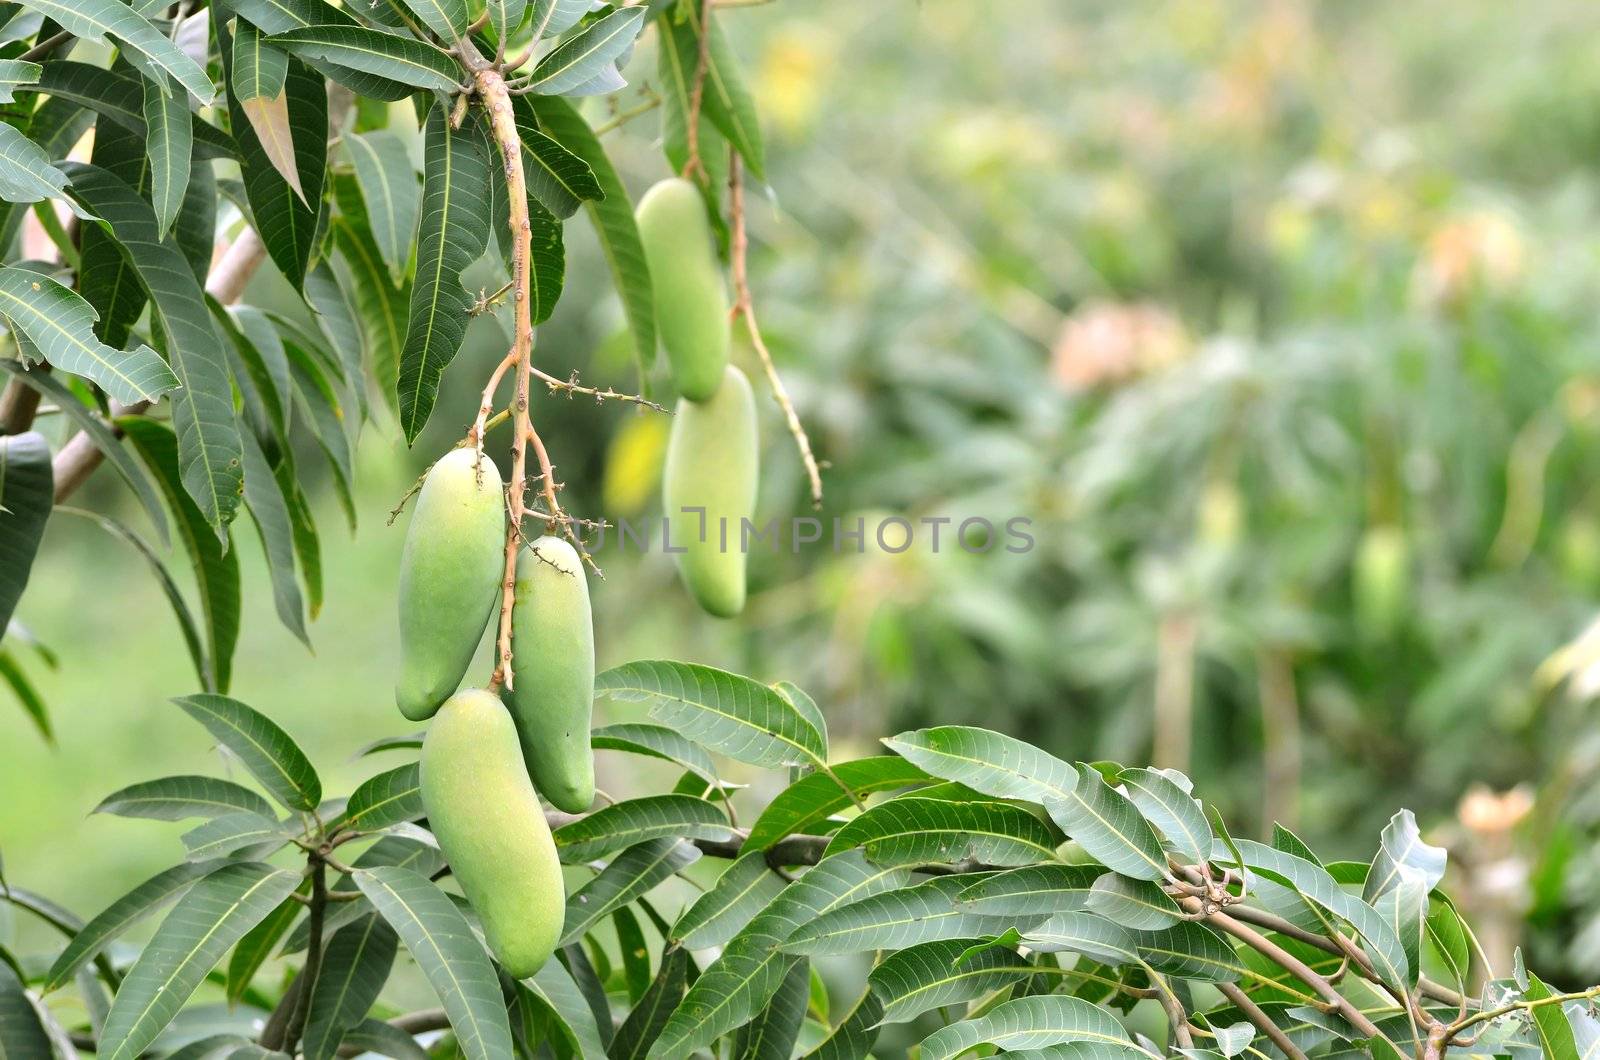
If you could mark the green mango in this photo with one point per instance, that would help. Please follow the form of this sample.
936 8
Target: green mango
552 672
450 576
490 826
690 295
713 462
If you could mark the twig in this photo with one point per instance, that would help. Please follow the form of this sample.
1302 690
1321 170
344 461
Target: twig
1524 1005
20 404
692 166
570 386
1263 1022
743 306
624 117
45 47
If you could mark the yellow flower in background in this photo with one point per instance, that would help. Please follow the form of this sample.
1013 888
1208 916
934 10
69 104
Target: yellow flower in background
1106 342
633 464
1480 250
790 76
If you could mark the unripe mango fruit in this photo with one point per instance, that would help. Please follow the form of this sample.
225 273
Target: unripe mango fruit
491 828
450 575
552 672
713 462
691 298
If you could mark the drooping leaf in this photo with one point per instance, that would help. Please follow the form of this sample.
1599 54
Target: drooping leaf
88 421
263 496
587 53
743 890
252 951
632 821
559 179
216 572
1028 1023
1402 851
448 18
772 1034
33 705
354 968
27 492
116 94
26 174
558 994
613 221
265 749
386 799
632 873
893 920
389 189
148 48
547 274
440 940
454 232
986 761
725 712
280 16
384 1039
21 1032
379 304
917 831
1110 827
195 229
170 147
60 324
646 1019
656 741
209 450
258 80
285 214
726 100
387 55
179 797
416 852
1047 889
207 921
812 798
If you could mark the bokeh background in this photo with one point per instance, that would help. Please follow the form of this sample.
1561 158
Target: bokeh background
1279 322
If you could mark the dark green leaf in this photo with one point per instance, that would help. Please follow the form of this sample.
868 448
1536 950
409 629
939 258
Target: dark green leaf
771 1035
233 832
743 890
252 951
555 991
1033 889
355 966
376 1036
147 47
726 100
27 492
386 799
916 831
632 821
647 1018
986 761
22 1035
117 95
389 189
811 799
180 797
170 148
933 975
1028 1023
265 749
586 54
263 496
657 741
893 920
1109 827
386 55
631 874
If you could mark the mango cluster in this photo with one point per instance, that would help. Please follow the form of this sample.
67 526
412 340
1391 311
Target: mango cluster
486 759
713 459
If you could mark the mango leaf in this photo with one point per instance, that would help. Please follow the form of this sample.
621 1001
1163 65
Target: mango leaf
258 79
1028 1023
440 940
386 799
209 449
656 741
587 53
505 16
116 95
894 920
22 1034
557 993
1190 950
216 572
1137 904
448 18
15 73
1109 827
13 677
986 761
121 914
1404 906
179 797
1555 1031
725 712
646 1019
1169 806
355 966
772 1034
206 922
613 221
263 496
384 1039
265 749
27 492
252 951
284 215
60 324
1046 889
917 831
726 101
148 48
454 233
170 148
89 421
405 60
630 875
559 179
417 852
932 975
743 890
1402 852
233 832
1084 933
752 967
279 16
551 18
856 1034
389 189
379 304
1449 937
633 821
812 798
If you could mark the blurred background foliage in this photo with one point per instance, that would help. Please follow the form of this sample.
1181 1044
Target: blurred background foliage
1276 319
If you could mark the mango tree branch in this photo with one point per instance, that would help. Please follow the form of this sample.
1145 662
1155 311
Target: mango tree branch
743 306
